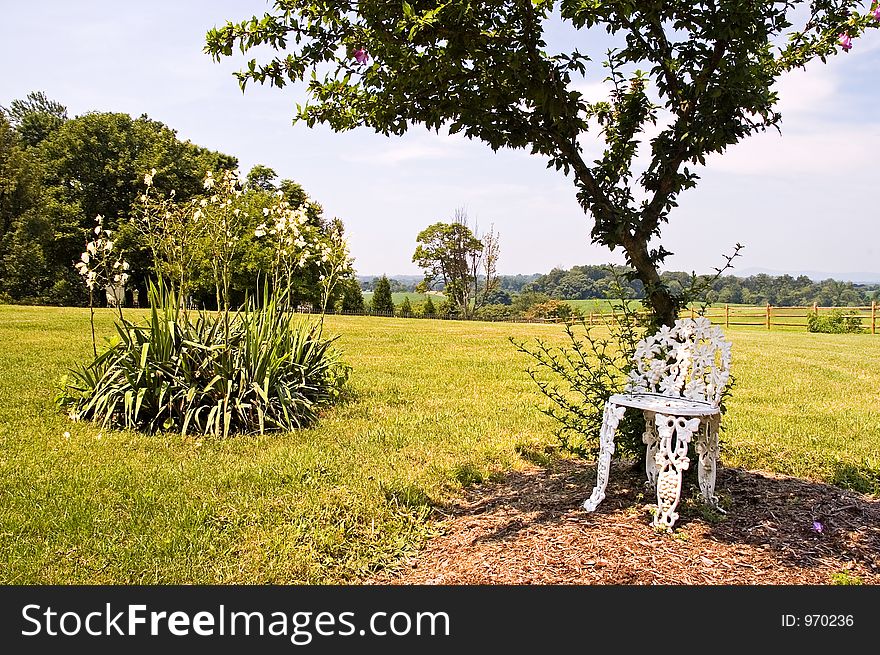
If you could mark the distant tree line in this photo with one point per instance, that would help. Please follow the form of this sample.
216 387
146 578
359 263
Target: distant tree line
408 283
588 282
58 173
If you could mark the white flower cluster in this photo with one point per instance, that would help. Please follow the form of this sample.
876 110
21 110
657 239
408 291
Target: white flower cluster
95 265
297 240
232 181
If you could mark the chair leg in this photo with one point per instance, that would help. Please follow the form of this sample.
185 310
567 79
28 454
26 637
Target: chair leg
675 434
650 439
611 417
707 449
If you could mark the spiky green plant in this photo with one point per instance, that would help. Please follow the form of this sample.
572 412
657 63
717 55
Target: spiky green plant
271 370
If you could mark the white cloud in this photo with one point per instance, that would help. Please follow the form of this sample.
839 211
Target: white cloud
807 91
418 145
401 153
816 148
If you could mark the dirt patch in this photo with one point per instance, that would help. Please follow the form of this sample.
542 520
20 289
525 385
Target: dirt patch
530 529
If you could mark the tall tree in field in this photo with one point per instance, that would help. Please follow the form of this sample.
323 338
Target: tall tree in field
452 255
702 70
382 301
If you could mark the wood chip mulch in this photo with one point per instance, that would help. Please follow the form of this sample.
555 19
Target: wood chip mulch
530 529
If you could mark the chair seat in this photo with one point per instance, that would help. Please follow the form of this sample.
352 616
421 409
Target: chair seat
660 404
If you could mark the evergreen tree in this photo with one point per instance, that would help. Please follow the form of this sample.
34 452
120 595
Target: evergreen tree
406 308
429 309
382 302
352 297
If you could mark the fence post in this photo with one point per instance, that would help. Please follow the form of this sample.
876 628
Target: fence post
768 315
873 317
693 313
726 315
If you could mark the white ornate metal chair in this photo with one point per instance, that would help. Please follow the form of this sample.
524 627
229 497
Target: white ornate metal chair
678 377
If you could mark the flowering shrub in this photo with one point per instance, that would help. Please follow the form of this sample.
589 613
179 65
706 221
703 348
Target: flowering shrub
101 265
257 369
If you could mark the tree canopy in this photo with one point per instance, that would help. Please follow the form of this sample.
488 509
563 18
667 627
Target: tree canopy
57 174
36 117
702 71
460 261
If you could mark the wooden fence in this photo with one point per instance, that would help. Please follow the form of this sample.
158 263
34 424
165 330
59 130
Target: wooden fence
767 317
770 317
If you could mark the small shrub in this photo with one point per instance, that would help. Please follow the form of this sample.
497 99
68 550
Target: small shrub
494 313
552 310
834 322
428 308
579 378
405 308
446 309
254 371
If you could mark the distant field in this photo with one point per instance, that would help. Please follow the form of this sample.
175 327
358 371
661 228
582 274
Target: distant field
434 406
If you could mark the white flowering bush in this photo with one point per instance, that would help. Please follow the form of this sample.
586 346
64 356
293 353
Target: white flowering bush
258 368
265 369
172 230
102 265
297 242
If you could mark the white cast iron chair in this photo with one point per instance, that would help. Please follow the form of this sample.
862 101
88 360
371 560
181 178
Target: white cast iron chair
678 377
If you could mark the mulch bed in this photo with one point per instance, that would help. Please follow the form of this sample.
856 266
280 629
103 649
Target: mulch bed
530 529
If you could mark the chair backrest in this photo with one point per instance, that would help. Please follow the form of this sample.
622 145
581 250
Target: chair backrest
689 360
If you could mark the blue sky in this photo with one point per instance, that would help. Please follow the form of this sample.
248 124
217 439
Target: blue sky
804 201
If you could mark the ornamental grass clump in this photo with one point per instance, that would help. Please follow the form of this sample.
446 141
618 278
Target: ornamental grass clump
265 369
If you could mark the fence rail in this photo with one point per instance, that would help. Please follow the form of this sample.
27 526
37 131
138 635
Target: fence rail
767 317
770 317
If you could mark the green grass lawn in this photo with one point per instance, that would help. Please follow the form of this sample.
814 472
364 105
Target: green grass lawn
434 405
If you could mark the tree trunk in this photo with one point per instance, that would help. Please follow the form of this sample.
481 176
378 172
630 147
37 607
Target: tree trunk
663 305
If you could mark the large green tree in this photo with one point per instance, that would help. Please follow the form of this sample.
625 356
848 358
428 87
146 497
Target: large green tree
22 233
36 117
94 164
19 178
703 70
452 255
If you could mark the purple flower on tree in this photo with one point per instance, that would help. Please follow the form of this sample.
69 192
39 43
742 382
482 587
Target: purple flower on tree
845 41
818 527
876 13
361 56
